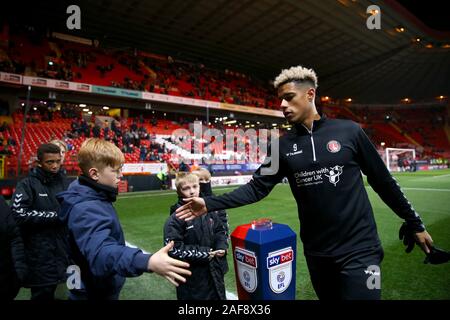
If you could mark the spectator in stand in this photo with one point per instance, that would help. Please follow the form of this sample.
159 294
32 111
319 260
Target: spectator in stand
11 142
134 126
96 131
4 127
4 150
183 167
151 156
142 153
84 128
114 127
106 132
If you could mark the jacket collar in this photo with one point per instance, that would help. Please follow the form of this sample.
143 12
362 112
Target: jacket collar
44 176
301 129
109 192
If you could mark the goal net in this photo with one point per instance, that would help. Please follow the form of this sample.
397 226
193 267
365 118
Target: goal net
398 159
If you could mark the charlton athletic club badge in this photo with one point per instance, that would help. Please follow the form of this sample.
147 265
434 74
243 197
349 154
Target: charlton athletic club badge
333 146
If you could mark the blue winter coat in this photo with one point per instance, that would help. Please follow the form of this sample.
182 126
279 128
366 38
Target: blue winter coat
97 240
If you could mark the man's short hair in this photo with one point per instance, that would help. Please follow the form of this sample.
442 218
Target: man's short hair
61 144
47 148
99 153
183 178
296 74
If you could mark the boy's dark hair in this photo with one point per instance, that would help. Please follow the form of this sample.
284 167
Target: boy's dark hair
47 148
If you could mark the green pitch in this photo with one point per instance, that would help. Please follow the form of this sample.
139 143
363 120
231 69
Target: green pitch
404 276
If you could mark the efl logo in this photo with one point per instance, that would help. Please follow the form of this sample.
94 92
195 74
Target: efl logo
279 264
246 268
280 259
245 258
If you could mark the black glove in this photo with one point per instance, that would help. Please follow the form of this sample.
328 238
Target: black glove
408 237
437 256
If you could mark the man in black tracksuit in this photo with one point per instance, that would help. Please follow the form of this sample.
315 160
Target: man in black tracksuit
323 159
35 209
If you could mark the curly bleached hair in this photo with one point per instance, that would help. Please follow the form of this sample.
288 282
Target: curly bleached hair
297 73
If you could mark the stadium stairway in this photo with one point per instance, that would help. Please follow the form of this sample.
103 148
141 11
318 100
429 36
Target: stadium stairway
407 136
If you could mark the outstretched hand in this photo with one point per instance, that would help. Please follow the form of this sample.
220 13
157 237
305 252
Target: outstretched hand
195 207
410 238
424 240
171 269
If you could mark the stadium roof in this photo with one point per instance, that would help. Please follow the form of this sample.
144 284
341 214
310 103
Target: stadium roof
262 37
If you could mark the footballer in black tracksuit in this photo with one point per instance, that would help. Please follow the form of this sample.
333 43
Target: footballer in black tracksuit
337 226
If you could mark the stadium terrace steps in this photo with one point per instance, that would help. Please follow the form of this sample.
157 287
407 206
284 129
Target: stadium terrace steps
407 136
92 75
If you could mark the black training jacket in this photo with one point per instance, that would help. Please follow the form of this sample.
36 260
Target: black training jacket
35 209
12 256
324 167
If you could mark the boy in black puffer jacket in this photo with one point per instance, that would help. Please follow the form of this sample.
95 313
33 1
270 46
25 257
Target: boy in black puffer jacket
201 242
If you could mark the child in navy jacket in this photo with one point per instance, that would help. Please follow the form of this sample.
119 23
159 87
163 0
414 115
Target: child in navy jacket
95 234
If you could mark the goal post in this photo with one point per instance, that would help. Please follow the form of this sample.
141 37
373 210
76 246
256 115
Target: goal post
395 159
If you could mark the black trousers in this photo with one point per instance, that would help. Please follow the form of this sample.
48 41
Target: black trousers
43 293
351 276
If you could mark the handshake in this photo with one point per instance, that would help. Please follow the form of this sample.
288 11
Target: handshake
216 253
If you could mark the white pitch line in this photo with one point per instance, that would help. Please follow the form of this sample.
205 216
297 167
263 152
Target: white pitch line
229 295
442 176
421 189
427 189
431 178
